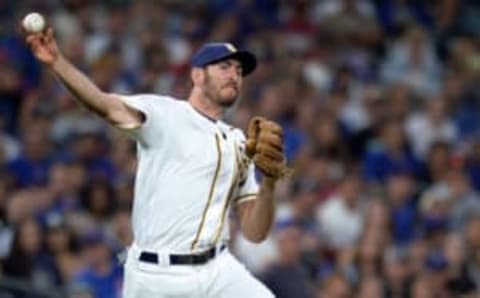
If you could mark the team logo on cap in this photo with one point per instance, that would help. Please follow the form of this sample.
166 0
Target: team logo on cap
230 47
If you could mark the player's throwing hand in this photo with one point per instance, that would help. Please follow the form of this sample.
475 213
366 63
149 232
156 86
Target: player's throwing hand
43 45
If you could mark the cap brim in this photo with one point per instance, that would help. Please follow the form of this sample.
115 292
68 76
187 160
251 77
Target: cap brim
247 61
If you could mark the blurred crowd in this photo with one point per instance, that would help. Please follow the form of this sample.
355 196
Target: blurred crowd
378 99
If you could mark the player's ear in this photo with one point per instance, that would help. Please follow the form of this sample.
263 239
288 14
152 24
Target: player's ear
197 76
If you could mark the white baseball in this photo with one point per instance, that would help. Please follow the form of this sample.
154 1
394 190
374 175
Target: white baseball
34 22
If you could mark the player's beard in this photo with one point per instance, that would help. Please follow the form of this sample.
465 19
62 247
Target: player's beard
219 94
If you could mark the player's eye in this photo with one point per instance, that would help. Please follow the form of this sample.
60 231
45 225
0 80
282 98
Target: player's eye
239 70
225 65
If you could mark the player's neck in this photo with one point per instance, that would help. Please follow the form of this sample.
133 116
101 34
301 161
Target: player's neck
206 106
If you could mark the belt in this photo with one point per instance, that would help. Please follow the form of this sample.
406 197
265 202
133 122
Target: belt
188 259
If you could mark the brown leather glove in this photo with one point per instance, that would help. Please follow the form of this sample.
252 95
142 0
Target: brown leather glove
265 147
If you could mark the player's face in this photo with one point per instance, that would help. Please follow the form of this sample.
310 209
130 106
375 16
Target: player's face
223 81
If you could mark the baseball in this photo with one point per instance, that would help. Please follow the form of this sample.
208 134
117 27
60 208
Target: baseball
34 22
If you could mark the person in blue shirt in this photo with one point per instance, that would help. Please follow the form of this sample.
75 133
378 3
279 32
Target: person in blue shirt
33 165
390 156
402 203
89 149
103 276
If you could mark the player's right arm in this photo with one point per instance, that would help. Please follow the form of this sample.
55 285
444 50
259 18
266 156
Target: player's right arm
106 105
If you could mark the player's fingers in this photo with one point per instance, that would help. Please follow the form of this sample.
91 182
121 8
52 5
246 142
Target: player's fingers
30 38
44 39
33 41
49 34
35 46
35 38
46 35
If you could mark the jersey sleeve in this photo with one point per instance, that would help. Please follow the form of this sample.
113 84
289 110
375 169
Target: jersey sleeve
247 185
155 110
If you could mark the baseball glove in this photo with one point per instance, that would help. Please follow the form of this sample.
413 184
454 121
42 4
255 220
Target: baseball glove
265 147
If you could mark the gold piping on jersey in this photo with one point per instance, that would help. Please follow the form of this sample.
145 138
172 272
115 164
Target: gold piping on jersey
229 196
129 126
210 194
245 198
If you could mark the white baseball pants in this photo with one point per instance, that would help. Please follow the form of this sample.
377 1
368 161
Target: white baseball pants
221 277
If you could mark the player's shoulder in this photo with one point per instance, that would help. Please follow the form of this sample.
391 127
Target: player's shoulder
154 98
155 101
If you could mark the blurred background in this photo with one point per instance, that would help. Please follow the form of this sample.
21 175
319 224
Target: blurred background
379 101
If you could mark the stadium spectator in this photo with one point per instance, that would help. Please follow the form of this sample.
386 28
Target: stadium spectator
101 274
341 217
287 276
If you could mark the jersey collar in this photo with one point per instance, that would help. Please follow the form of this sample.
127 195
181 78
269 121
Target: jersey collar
211 119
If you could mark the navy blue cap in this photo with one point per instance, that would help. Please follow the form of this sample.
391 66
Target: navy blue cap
214 52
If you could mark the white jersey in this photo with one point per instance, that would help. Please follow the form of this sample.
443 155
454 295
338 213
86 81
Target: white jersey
191 169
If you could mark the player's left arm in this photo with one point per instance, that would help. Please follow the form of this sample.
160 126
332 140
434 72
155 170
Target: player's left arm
257 212
264 146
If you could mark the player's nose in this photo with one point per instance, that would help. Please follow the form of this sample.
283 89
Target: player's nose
235 78
235 72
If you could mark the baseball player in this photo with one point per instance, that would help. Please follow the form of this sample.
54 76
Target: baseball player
193 168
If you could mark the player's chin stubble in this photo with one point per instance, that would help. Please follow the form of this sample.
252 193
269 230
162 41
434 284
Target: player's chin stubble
224 96
227 100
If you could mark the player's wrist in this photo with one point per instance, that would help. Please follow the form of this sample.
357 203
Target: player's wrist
58 63
269 181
